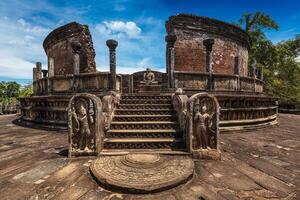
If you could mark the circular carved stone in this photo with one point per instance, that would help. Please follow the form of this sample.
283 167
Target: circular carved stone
141 160
142 173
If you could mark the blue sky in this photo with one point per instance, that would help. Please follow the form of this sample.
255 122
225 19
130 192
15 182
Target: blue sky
138 26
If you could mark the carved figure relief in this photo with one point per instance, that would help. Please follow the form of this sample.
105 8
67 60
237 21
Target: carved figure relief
202 119
85 124
83 137
202 127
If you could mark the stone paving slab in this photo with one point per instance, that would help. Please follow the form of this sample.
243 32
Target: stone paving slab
257 164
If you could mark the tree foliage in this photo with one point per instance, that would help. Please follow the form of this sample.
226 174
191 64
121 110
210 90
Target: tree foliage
10 91
26 91
281 69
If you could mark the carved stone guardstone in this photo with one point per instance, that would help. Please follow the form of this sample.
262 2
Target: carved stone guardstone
203 126
109 104
179 101
85 125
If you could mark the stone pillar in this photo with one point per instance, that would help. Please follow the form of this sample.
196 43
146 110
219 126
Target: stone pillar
253 70
51 67
76 47
208 43
237 71
38 70
34 74
253 74
170 39
261 73
112 45
237 65
50 74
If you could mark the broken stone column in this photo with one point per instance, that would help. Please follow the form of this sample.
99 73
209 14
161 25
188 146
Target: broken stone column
112 45
76 47
208 43
37 71
170 39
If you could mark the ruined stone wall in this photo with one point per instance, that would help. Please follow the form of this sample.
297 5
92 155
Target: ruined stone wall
58 48
190 53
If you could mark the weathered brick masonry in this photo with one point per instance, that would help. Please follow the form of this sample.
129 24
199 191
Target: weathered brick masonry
58 48
190 53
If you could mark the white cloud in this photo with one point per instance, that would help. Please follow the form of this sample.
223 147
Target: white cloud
22 41
145 62
119 29
141 42
14 66
27 27
20 47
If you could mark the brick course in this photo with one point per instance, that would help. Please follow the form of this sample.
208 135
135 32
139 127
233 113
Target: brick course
190 53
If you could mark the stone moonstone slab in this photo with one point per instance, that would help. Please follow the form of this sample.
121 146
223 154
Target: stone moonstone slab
142 173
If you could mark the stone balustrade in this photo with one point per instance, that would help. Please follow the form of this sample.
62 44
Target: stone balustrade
8 108
91 82
194 81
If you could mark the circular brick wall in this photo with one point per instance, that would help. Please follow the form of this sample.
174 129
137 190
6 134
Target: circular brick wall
57 46
190 53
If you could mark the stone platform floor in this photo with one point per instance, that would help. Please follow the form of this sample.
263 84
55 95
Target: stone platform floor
261 164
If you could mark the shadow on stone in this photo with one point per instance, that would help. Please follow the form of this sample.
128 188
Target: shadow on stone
63 152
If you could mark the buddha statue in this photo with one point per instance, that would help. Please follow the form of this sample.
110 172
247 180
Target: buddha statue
149 77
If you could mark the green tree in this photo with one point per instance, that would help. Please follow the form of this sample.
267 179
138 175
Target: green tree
9 91
26 91
255 25
281 70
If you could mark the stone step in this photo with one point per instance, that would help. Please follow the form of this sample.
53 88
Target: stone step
143 143
145 106
144 121
144 112
147 125
142 133
136 118
112 152
138 97
145 101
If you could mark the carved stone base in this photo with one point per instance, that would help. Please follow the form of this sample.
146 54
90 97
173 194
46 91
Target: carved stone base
142 173
209 154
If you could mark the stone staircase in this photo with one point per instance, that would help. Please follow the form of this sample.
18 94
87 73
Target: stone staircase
144 122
